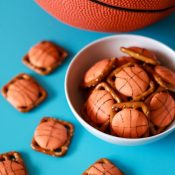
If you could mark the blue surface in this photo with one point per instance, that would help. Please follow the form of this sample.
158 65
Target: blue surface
22 24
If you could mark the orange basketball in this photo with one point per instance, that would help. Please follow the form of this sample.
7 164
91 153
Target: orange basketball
108 15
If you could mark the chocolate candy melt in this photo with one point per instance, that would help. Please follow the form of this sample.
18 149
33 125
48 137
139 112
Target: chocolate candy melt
129 123
166 74
44 57
103 167
162 109
50 135
98 72
132 81
99 105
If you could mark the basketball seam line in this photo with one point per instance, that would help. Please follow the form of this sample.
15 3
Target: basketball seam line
164 106
38 55
132 10
131 78
99 108
107 171
20 89
51 136
135 80
97 169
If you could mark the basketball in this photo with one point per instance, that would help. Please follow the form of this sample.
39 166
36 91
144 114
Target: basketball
108 15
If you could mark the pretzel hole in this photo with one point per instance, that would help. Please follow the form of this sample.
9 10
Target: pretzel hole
40 94
113 78
23 107
45 120
60 53
129 98
36 144
101 88
2 159
27 59
11 157
67 127
5 90
138 108
156 128
58 150
20 78
42 69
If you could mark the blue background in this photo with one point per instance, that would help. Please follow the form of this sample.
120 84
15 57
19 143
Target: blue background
22 24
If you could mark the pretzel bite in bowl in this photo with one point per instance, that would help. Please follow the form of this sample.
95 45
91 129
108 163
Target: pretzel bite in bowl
123 103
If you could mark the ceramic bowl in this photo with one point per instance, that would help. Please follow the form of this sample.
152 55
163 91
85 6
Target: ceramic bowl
106 48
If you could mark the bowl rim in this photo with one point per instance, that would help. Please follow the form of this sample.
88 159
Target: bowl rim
80 119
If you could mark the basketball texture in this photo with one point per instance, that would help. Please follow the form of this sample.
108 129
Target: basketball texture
129 123
103 168
44 55
50 135
108 15
99 105
96 70
23 93
132 81
162 109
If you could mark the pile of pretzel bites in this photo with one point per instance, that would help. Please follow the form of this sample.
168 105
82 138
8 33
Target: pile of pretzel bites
52 136
131 96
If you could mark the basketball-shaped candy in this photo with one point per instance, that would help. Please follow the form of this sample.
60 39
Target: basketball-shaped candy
23 93
108 15
44 55
99 105
103 168
166 74
10 167
129 123
50 135
98 72
95 71
132 81
162 109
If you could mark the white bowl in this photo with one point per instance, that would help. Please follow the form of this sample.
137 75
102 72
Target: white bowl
106 48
